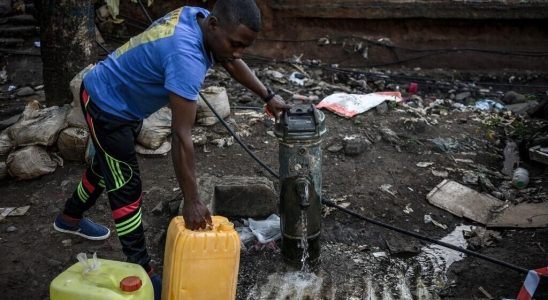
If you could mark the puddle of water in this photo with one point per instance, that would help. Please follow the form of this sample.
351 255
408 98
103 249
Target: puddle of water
443 257
290 285
347 273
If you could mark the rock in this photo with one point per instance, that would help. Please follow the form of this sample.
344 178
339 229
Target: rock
462 96
159 208
355 145
23 92
402 246
238 196
382 108
512 97
335 148
11 229
522 108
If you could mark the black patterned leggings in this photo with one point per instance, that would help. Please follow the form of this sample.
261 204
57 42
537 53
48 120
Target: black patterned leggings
114 168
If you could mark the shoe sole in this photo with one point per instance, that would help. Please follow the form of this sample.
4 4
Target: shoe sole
93 238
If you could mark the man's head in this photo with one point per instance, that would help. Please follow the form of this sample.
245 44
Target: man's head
231 27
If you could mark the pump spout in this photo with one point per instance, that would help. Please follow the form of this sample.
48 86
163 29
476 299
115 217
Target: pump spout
301 185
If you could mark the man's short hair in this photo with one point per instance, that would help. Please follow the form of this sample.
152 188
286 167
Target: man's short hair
236 12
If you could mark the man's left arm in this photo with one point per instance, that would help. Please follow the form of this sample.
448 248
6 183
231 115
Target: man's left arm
239 70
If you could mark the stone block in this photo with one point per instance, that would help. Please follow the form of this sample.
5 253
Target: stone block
238 196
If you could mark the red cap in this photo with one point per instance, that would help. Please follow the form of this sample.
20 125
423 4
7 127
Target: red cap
130 284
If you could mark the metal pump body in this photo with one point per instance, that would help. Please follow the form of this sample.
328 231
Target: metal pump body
300 132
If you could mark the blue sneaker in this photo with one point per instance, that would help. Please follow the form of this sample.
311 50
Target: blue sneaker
85 228
157 285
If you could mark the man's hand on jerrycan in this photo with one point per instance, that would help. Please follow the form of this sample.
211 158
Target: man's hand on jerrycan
196 215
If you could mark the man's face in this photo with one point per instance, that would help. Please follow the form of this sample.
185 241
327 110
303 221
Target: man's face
228 42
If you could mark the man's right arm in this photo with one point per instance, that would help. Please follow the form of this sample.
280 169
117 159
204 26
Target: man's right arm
195 213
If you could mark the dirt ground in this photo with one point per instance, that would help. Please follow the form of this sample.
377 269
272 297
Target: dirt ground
33 254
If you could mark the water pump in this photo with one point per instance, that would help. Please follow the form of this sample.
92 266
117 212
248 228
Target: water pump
300 132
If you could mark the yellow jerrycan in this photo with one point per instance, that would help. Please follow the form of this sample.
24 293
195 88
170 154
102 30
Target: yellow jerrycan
101 279
201 265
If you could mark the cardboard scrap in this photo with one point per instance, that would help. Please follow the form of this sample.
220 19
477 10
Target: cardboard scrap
13 211
465 202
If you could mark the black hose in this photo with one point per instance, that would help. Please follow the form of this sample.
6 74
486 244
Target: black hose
143 8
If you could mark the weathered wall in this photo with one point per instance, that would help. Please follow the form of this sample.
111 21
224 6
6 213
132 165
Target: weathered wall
460 34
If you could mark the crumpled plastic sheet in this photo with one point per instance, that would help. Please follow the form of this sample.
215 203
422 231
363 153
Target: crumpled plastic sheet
265 231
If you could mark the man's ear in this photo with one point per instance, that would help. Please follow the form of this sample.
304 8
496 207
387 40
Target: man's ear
213 22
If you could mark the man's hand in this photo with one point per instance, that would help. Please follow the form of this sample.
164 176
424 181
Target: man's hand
276 106
196 215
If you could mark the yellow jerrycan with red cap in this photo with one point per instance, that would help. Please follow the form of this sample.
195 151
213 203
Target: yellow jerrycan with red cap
101 279
201 264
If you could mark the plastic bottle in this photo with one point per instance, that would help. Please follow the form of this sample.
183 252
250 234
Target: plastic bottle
201 264
520 178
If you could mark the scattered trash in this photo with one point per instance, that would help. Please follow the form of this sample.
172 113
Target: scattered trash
489 105
390 136
303 98
428 219
423 164
464 160
297 78
520 178
480 237
413 88
11 229
539 154
266 230
379 254
12 88
223 142
335 148
437 173
37 44
511 157
349 105
387 188
470 177
408 209
13 211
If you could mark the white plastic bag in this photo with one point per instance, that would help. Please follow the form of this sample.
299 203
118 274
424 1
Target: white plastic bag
349 105
156 128
218 98
266 230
